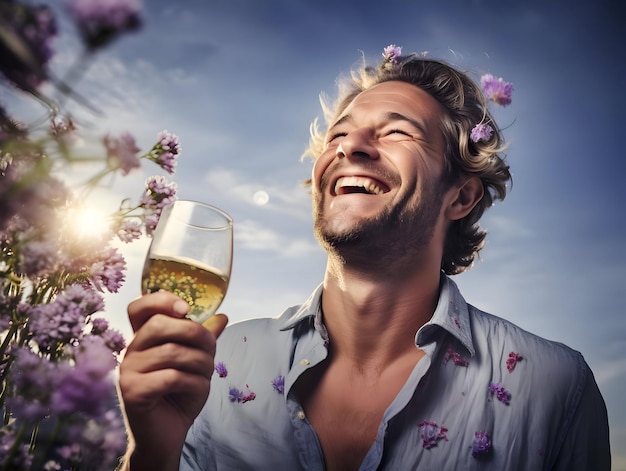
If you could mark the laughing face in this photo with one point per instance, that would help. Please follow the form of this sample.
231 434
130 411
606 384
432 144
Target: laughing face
377 182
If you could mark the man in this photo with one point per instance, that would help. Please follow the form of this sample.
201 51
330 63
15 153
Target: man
385 366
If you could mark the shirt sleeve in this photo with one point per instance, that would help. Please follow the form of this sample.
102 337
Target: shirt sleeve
586 440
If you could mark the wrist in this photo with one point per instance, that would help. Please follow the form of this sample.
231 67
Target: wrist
138 460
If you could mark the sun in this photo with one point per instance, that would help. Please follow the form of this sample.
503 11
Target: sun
88 221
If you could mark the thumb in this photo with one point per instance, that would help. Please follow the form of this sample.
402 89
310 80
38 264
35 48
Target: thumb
216 324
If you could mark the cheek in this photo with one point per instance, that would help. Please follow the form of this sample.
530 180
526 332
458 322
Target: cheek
319 167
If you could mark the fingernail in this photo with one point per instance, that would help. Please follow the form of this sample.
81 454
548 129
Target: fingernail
180 307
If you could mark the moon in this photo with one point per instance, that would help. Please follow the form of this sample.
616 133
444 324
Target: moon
260 198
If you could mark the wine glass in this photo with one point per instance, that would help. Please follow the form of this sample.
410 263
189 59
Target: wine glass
191 256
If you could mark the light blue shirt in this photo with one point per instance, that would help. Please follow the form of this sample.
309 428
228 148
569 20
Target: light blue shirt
486 396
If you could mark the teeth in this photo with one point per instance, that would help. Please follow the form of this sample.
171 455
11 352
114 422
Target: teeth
368 184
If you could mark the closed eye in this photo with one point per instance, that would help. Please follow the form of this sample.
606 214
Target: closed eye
336 136
398 131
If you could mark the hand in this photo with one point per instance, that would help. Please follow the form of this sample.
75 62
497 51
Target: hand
165 376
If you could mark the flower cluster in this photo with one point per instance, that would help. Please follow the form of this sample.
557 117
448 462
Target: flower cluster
454 356
500 392
431 433
57 355
511 361
498 91
237 395
391 55
481 445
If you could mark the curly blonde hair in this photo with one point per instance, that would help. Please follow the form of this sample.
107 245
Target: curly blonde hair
465 106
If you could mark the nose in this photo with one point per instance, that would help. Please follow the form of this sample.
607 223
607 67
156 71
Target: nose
358 144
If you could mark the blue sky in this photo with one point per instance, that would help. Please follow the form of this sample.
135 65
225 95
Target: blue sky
239 81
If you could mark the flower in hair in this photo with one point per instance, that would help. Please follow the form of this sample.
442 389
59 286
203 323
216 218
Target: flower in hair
496 89
390 56
392 52
481 132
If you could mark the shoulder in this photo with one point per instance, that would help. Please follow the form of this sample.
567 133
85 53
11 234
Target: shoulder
540 369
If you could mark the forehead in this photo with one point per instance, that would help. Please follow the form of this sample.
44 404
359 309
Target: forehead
396 96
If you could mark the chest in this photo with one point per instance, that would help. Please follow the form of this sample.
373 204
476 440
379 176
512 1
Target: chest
346 407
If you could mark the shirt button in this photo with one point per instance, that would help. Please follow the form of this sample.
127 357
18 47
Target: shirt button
301 415
305 362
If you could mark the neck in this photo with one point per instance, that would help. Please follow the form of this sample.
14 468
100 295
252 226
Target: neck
372 317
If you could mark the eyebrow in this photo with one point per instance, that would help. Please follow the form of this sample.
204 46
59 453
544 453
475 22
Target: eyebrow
391 116
400 117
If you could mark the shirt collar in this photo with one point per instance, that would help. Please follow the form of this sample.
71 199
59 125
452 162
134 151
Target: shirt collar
451 314
310 310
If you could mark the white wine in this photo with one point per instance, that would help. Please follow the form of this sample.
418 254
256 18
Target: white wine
202 287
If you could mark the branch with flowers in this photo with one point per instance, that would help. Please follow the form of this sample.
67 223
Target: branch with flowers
57 351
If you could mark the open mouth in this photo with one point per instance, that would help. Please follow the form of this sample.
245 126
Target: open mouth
364 185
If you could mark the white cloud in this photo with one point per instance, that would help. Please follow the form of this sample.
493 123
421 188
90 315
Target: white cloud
253 235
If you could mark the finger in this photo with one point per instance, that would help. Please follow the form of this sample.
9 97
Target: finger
146 388
162 302
161 329
169 356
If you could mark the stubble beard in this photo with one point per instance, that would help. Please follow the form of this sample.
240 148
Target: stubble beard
397 232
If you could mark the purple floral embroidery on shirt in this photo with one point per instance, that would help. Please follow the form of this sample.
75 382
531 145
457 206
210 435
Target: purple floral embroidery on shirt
278 384
220 369
481 445
502 394
431 433
457 322
511 362
454 356
237 395
234 394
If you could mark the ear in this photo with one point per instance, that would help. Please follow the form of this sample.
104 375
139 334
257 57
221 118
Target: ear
463 198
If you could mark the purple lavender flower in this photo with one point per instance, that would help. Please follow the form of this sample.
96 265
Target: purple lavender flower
166 151
38 257
122 152
481 132
102 442
481 445
129 230
454 356
34 377
391 53
234 394
220 369
237 395
159 193
21 459
24 59
151 221
99 325
86 386
101 21
496 89
108 271
113 339
278 384
85 297
511 361
56 324
431 433
500 392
